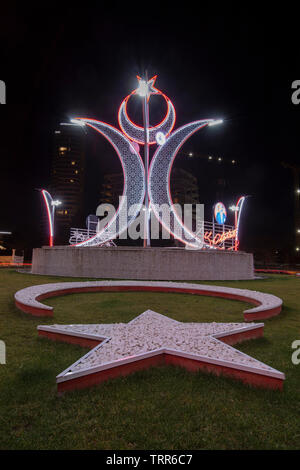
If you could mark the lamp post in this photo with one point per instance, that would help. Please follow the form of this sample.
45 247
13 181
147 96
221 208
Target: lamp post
50 207
237 209
54 204
144 91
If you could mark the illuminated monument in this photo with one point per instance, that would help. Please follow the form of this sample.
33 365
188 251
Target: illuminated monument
212 250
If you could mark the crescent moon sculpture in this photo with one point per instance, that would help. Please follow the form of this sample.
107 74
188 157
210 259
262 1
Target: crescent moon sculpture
136 133
159 183
155 188
134 183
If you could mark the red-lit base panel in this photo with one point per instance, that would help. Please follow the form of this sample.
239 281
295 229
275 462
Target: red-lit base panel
35 311
250 378
84 342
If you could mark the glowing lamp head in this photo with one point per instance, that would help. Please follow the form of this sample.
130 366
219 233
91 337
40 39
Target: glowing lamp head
160 138
56 202
215 122
143 88
78 122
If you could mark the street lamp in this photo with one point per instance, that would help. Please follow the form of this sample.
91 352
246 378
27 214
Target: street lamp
215 122
144 90
50 207
78 122
56 203
237 209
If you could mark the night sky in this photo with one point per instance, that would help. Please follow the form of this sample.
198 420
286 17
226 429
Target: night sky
59 62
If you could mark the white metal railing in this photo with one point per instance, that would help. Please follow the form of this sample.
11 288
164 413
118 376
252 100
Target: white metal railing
217 236
78 235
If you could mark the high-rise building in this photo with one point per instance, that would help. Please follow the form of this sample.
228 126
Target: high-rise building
184 187
67 178
112 189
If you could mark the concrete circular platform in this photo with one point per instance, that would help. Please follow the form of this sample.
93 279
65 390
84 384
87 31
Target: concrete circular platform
153 263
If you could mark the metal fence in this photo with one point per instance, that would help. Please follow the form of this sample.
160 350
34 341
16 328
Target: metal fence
217 236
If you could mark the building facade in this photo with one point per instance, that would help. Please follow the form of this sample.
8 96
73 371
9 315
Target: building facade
68 178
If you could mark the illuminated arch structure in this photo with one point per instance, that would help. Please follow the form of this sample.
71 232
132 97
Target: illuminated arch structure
152 184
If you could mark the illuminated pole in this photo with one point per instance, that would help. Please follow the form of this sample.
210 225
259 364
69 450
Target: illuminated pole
50 207
237 215
146 158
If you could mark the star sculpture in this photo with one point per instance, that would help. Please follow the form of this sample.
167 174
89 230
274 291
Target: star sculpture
150 335
146 88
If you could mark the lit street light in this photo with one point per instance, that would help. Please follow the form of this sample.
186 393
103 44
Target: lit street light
216 122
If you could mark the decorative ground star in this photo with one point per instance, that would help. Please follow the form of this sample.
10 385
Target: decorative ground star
152 339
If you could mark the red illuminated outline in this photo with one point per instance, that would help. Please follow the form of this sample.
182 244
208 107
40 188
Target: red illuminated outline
156 92
219 237
86 120
237 216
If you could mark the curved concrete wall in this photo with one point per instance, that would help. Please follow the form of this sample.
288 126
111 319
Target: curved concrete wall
174 264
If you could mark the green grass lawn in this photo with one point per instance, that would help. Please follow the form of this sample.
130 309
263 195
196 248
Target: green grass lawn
159 408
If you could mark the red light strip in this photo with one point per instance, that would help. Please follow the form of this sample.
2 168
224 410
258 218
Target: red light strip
239 206
49 213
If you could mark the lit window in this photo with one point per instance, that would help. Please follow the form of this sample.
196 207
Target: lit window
66 212
76 171
73 163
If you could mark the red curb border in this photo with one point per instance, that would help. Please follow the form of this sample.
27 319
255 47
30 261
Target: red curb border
37 312
84 342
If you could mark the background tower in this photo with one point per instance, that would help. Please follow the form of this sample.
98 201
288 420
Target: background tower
68 177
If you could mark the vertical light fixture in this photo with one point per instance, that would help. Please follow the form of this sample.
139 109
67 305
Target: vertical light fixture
50 207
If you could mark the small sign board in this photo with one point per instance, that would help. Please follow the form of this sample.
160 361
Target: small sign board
220 213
